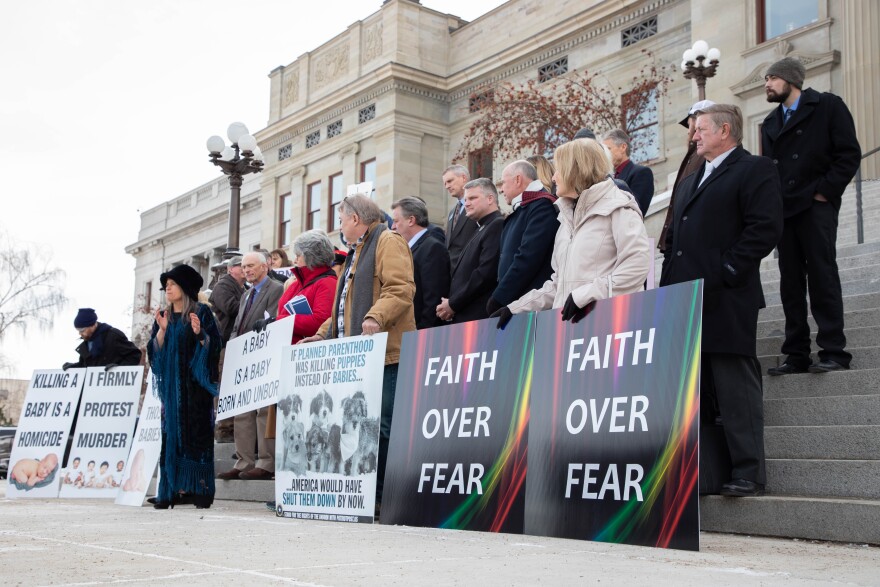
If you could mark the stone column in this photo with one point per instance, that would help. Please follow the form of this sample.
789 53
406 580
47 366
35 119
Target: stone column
860 61
298 203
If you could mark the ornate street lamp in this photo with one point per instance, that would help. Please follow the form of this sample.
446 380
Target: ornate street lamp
236 161
693 64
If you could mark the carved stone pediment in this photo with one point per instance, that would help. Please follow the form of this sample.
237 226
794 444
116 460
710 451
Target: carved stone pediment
330 65
754 81
372 43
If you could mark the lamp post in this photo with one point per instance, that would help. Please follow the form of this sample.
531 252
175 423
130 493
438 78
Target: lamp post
236 161
694 64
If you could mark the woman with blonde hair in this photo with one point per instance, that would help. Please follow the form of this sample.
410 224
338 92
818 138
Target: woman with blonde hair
601 247
545 171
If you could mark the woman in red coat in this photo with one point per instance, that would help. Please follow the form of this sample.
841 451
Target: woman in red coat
315 281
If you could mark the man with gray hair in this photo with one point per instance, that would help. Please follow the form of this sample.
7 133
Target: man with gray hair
811 139
527 237
459 228
431 268
475 274
250 428
727 218
639 178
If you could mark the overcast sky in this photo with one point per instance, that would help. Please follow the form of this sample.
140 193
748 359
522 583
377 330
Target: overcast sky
104 112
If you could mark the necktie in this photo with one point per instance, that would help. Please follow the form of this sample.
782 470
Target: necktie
457 217
242 325
786 116
707 173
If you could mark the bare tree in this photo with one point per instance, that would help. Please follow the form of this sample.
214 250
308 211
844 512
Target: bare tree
536 117
31 290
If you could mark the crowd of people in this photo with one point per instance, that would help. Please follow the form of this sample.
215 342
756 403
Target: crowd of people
575 235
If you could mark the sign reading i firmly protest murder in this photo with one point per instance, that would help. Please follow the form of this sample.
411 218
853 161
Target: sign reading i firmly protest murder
613 434
458 452
103 436
252 369
145 450
41 436
327 429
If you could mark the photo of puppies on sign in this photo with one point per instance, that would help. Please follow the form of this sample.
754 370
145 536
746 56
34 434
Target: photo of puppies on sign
337 437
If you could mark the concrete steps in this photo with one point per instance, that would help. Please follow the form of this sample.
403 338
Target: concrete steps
237 489
821 431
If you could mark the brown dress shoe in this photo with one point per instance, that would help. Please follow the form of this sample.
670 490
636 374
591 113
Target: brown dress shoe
230 475
257 474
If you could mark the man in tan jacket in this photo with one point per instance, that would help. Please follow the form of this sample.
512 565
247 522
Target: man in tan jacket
375 294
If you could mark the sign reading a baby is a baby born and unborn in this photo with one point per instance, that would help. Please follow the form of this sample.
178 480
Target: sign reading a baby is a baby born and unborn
251 369
327 429
41 436
104 432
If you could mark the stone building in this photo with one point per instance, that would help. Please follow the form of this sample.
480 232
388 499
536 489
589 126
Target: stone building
388 100
12 394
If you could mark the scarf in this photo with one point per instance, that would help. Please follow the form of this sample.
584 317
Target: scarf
362 289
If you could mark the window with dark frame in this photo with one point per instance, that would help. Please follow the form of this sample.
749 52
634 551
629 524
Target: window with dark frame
480 163
643 30
337 192
312 139
777 17
478 101
368 173
334 129
367 113
553 69
642 125
285 209
314 199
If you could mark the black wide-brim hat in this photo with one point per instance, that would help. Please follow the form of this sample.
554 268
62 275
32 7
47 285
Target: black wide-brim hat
187 278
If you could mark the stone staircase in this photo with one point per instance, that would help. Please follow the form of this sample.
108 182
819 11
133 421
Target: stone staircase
237 490
822 432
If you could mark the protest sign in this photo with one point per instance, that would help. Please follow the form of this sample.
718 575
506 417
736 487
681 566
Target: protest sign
251 369
327 429
144 454
41 436
613 432
458 452
103 435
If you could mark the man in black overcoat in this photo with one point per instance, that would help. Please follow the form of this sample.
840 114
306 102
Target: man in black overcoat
475 275
639 178
812 141
727 218
459 228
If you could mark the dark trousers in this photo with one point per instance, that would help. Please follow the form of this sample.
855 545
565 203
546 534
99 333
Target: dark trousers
808 260
730 386
389 387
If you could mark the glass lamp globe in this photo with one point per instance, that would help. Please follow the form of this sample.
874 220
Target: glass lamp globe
689 55
713 54
216 144
247 142
235 131
227 154
700 48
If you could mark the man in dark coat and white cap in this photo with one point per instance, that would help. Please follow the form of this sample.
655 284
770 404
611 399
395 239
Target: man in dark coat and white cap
103 345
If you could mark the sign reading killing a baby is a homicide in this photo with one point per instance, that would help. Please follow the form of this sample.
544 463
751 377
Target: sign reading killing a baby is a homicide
252 370
144 453
327 429
461 412
104 432
41 436
613 436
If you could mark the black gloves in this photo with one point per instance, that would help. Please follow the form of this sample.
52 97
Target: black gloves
504 315
571 311
67 366
110 366
492 306
260 325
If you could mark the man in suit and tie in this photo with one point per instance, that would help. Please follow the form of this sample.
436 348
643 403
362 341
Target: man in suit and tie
459 228
727 218
431 270
639 178
475 275
250 428
812 141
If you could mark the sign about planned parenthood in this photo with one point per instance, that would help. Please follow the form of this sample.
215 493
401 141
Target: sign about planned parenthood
144 453
461 412
104 432
613 436
327 429
252 369
41 436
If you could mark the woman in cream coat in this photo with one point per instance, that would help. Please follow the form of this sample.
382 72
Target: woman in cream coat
601 247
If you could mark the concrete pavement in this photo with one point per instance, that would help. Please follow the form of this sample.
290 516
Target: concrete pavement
92 542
